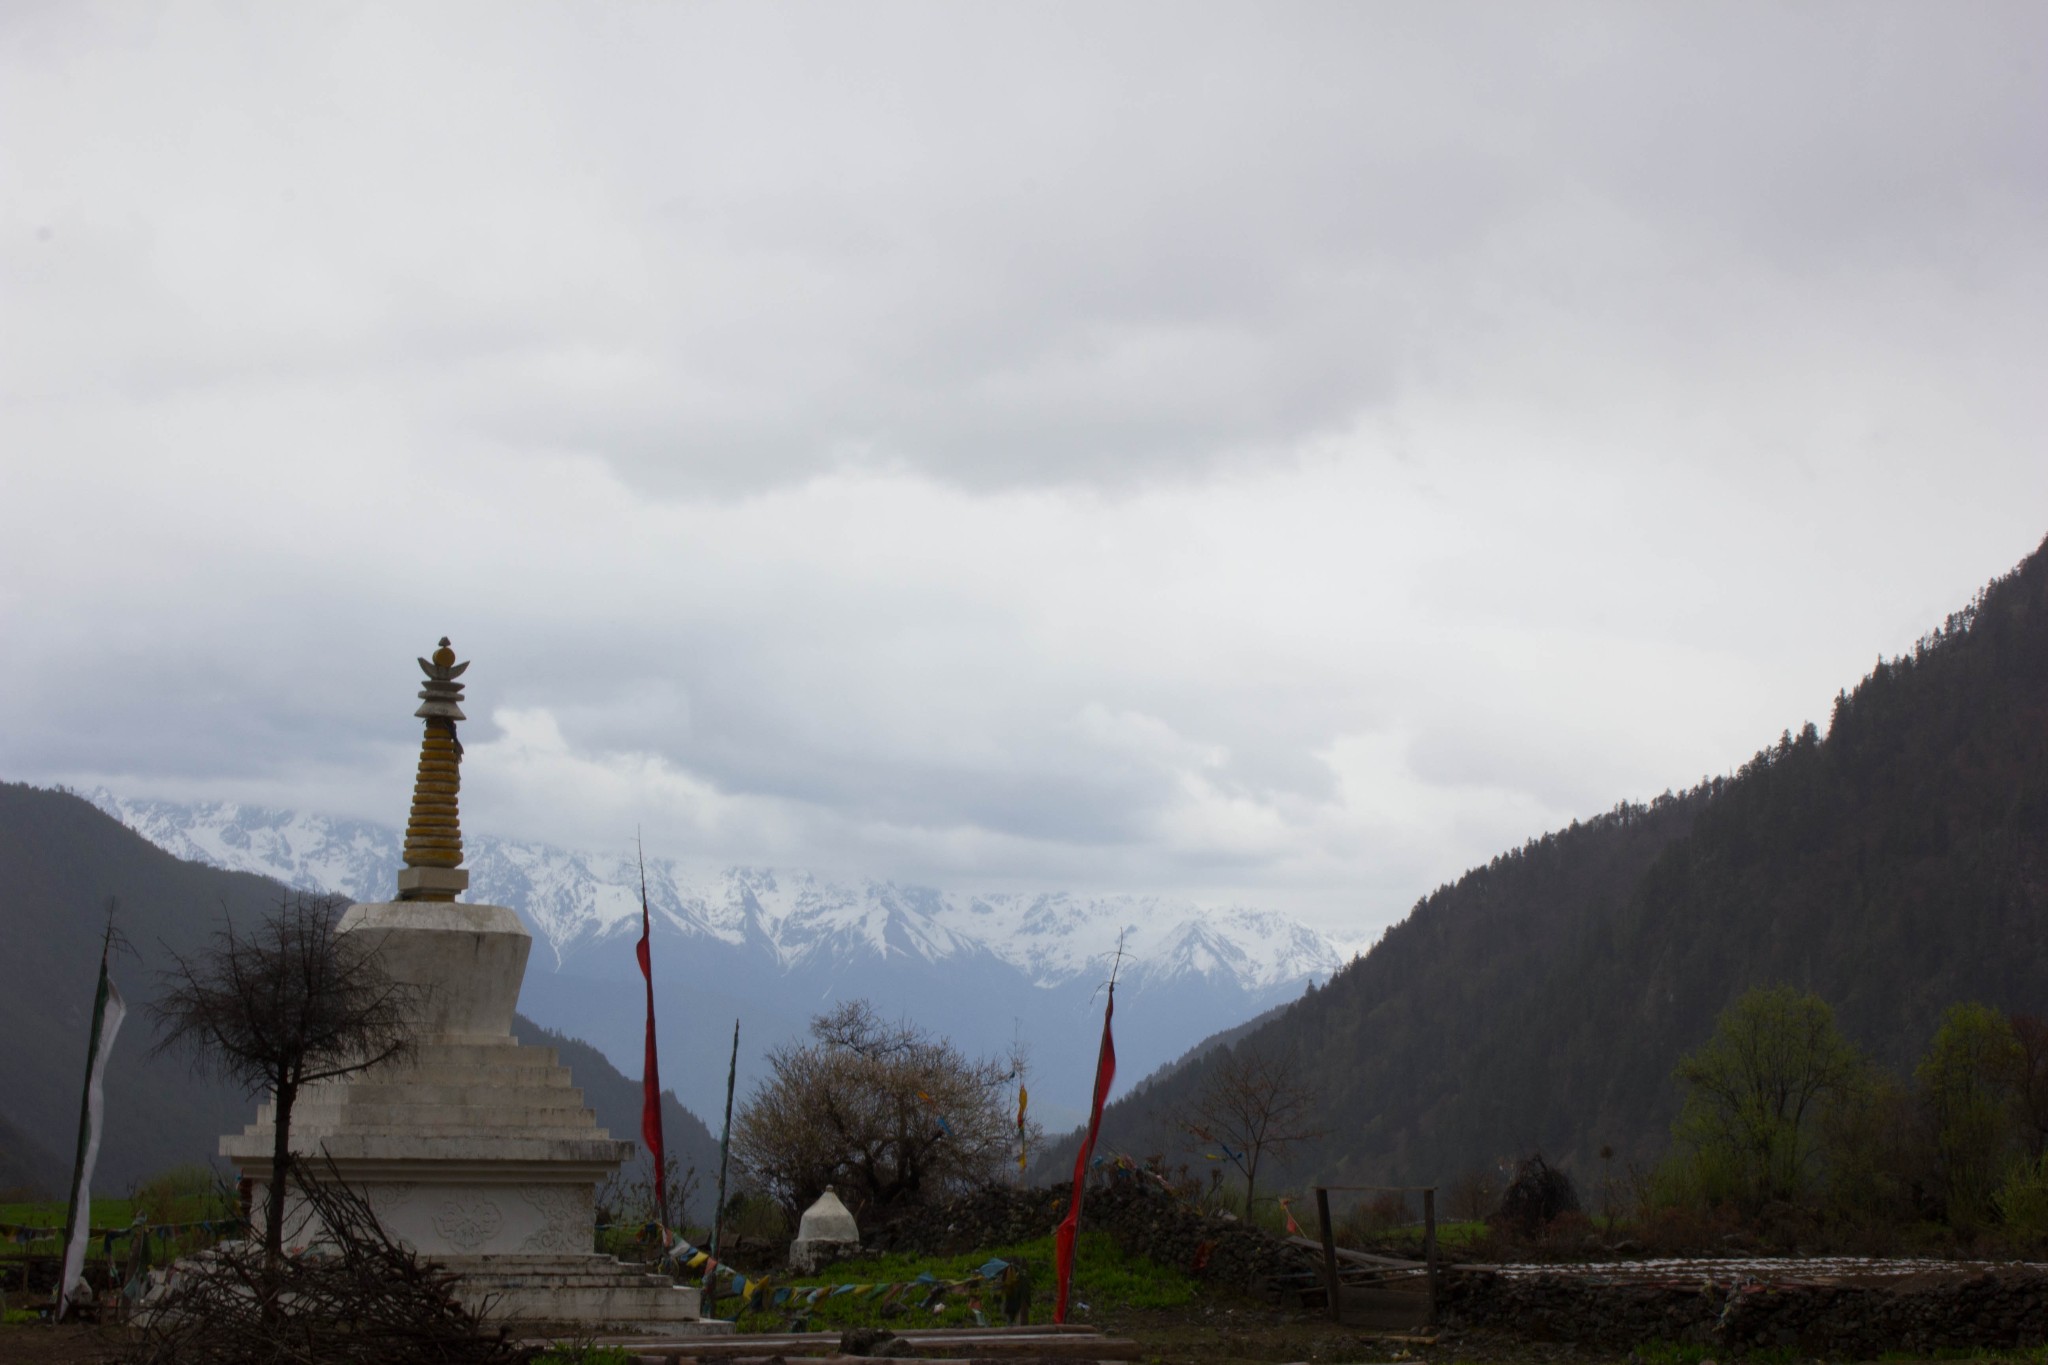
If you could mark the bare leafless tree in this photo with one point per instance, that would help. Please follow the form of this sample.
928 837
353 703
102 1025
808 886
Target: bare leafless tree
1249 1107
1473 1195
281 1006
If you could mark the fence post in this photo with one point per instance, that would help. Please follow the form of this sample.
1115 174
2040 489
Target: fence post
1329 1249
1429 1245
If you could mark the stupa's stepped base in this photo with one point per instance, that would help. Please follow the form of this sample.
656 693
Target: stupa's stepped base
460 1103
476 1152
591 1291
505 1089
468 1148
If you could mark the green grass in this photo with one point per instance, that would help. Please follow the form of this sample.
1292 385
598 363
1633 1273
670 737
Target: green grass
1450 1236
585 1355
1693 1352
1103 1278
49 1213
117 1214
623 1241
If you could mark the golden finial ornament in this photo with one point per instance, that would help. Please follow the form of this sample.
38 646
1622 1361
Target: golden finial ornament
433 832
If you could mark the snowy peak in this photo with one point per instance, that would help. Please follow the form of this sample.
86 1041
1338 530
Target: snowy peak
573 900
345 857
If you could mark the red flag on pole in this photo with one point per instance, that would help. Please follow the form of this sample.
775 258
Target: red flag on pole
1063 1238
650 1074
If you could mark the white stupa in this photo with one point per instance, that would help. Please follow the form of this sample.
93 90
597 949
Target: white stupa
824 1234
478 1152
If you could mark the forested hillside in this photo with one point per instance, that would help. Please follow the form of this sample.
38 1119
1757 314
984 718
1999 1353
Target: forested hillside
61 862
1894 867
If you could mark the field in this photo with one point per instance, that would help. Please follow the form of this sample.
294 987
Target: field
186 1210
1104 1281
1175 1319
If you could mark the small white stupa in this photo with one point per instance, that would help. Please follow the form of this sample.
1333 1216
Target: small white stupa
478 1153
825 1233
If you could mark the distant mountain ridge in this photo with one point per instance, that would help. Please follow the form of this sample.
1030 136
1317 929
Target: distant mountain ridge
771 946
576 899
61 863
1895 866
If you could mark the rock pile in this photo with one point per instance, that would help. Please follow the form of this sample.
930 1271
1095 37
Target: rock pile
994 1216
1219 1250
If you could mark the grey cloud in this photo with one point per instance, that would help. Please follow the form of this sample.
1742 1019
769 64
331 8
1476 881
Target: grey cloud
1210 260
357 322
995 253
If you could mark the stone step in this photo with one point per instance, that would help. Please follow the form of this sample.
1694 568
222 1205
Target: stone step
508 1074
580 1146
508 1053
539 1263
586 1288
307 1139
589 1304
585 1268
567 1100
470 1090
563 1278
484 1118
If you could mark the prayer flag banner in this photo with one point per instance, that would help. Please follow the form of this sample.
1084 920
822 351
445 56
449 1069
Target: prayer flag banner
1070 1226
762 1294
107 1016
650 1074
1023 1147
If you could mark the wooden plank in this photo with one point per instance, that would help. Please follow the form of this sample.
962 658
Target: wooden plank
1002 1329
1360 1257
776 1340
825 1346
662 1357
1429 1245
1329 1249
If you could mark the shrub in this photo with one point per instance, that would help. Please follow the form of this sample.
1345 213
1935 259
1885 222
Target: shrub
2022 1200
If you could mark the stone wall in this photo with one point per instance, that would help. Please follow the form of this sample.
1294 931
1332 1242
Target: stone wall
1997 1311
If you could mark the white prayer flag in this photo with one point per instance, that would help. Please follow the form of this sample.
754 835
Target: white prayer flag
112 1011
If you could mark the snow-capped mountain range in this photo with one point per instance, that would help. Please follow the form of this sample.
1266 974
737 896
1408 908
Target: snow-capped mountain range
773 946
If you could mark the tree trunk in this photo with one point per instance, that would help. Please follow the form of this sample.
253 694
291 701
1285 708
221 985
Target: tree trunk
280 1171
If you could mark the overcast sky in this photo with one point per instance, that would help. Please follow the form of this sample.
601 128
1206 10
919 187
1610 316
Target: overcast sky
1269 454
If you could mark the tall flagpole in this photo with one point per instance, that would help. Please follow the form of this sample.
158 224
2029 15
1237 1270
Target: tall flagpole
650 1073
732 1072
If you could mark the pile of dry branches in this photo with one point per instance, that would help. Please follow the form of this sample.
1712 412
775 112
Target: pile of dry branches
360 1297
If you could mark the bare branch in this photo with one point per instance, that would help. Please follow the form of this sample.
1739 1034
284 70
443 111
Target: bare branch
885 1113
1248 1106
281 1006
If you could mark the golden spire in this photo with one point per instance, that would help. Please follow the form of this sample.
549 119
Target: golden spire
433 832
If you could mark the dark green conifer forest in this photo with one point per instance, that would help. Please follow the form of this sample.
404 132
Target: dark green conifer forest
1893 867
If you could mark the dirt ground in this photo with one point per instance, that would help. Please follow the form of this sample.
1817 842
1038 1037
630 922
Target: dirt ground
1176 1337
1201 1335
40 1344
1223 1335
